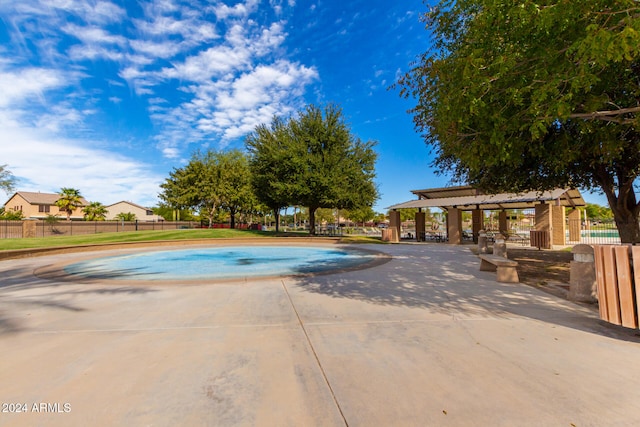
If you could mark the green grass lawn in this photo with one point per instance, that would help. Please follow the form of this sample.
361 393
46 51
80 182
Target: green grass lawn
150 236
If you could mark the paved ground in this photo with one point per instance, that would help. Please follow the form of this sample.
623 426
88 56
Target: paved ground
423 340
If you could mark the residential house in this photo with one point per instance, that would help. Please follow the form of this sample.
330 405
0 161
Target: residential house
141 213
40 205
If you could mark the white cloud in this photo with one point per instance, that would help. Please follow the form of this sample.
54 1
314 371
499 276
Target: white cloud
42 162
20 86
209 74
213 62
163 49
99 12
240 10
93 35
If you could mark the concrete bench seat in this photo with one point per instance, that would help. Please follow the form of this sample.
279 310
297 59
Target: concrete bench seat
505 268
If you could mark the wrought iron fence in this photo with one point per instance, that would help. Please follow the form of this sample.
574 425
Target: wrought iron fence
594 231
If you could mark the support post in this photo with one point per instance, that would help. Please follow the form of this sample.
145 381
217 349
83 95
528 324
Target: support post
454 226
574 225
543 223
558 227
394 224
502 223
420 226
477 223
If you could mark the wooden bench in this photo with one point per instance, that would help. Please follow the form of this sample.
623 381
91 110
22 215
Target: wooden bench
505 268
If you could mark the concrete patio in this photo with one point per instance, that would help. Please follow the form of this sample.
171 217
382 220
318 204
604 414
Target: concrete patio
425 339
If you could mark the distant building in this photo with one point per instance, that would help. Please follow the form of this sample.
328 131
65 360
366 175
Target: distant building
40 205
141 213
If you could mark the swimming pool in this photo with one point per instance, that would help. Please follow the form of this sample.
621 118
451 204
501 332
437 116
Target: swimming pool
229 262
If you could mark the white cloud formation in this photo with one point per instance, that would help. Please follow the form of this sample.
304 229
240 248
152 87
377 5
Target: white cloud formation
45 163
209 72
240 10
17 87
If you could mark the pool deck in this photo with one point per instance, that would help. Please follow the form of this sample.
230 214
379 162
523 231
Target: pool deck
425 339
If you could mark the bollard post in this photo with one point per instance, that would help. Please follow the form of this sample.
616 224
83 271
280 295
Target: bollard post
500 246
482 242
582 278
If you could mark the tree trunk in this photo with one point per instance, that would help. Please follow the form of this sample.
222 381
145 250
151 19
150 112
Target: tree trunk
232 213
626 211
211 212
276 214
629 230
312 220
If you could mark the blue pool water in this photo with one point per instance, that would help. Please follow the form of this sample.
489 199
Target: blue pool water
219 263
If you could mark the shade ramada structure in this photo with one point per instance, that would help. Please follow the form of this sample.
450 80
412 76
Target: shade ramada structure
549 207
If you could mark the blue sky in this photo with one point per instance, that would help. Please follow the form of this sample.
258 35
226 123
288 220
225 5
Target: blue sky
109 96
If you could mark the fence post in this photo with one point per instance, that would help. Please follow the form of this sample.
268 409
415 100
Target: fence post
29 228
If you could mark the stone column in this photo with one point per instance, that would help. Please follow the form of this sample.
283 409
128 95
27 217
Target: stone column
454 226
582 278
477 223
543 217
558 226
543 222
574 225
394 224
29 228
420 226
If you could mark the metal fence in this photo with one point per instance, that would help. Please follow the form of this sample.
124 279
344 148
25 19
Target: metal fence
14 229
598 232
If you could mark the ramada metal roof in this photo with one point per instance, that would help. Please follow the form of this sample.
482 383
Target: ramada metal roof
467 198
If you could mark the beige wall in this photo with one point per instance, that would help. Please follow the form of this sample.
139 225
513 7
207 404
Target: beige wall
124 207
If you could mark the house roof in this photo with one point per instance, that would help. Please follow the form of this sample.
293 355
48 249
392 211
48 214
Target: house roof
468 198
37 198
128 203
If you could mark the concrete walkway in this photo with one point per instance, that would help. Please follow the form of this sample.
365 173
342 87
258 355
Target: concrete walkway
423 340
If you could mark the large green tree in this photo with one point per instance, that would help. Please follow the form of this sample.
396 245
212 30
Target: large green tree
211 181
237 193
312 160
273 165
196 185
531 95
69 199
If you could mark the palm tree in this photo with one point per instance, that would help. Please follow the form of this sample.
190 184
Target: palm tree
126 216
69 200
95 211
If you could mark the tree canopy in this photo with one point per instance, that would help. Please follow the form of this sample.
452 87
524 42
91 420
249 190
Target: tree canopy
532 95
95 211
312 160
7 180
212 181
69 200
